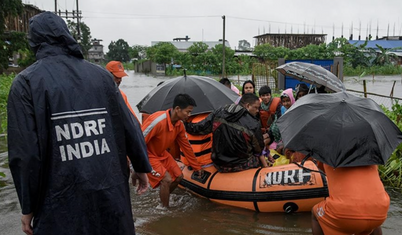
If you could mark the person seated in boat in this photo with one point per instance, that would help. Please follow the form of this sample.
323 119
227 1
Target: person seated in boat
229 85
237 138
161 130
248 87
268 139
301 90
287 100
270 107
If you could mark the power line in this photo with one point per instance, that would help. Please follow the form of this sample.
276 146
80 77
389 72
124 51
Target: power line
125 16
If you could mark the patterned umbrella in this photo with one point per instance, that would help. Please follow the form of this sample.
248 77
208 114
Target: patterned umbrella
313 74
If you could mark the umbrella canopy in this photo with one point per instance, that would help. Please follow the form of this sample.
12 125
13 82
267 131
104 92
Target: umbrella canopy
340 130
207 93
313 74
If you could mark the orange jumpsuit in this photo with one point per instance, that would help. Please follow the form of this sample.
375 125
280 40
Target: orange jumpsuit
132 111
128 105
357 202
160 134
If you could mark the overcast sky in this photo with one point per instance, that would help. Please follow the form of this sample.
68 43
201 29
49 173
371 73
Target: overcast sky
140 22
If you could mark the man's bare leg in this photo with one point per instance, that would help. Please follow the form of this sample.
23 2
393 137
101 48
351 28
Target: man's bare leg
175 183
164 191
377 231
315 225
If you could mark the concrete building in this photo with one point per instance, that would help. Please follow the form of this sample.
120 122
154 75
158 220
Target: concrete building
96 54
21 23
291 41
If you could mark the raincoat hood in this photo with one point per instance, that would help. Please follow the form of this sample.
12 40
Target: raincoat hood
49 35
234 112
289 93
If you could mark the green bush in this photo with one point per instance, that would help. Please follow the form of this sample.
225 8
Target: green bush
376 70
391 172
5 84
128 65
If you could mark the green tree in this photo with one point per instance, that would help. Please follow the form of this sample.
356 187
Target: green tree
13 42
268 52
8 8
162 53
27 57
244 45
85 40
200 59
385 56
312 52
184 59
215 58
353 55
138 51
198 48
119 51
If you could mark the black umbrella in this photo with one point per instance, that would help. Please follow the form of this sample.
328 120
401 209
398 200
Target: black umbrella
207 93
313 74
340 130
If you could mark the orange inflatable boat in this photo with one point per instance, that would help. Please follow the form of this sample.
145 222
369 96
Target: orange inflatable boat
287 188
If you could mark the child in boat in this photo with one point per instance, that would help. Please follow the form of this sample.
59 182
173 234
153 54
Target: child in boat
266 158
287 100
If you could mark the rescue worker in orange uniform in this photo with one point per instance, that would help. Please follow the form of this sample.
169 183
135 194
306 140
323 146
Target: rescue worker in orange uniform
270 107
160 131
117 70
357 202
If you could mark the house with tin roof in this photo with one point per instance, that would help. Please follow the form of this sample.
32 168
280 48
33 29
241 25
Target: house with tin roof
394 44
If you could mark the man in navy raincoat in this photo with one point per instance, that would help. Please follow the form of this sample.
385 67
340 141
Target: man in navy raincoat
69 133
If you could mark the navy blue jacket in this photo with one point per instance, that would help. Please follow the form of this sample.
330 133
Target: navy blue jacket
69 132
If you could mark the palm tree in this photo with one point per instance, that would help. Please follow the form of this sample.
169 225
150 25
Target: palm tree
385 56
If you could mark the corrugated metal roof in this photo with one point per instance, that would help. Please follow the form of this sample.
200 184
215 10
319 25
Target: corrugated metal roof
387 44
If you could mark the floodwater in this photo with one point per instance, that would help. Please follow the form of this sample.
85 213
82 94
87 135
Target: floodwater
193 215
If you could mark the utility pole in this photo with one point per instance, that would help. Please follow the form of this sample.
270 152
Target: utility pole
74 14
78 24
223 62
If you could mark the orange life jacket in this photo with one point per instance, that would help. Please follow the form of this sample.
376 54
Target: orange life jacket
201 144
266 116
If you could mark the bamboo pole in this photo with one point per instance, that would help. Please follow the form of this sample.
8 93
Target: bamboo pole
392 90
365 88
370 93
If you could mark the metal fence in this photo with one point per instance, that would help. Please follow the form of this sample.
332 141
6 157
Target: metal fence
265 74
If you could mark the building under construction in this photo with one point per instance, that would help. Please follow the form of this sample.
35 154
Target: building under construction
20 23
291 41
